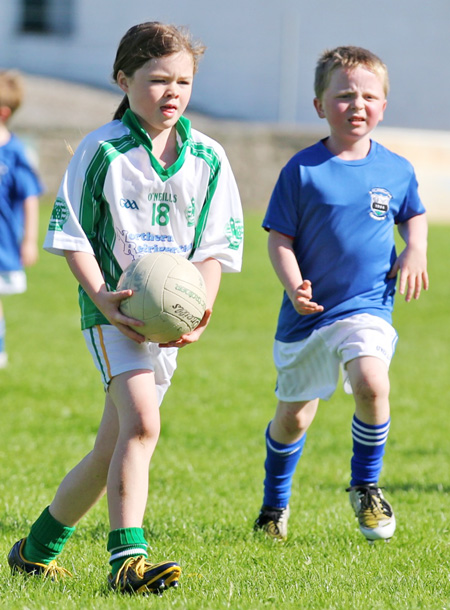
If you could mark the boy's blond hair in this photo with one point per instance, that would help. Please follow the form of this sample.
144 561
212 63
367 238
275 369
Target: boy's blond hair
347 58
11 89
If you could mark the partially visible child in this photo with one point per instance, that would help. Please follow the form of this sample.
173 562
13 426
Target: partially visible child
144 182
331 242
19 191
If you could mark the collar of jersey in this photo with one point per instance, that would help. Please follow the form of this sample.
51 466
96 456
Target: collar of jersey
329 156
183 128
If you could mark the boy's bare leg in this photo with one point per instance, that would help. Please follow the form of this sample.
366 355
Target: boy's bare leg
291 420
369 379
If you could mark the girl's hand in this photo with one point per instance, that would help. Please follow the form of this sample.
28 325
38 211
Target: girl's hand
85 268
211 271
193 336
109 305
301 300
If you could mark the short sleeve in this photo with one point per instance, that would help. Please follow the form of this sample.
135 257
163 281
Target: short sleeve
65 231
283 211
222 231
412 204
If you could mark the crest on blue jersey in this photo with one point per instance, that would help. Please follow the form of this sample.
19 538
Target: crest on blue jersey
379 203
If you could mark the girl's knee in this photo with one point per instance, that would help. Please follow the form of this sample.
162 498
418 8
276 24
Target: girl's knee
142 429
144 432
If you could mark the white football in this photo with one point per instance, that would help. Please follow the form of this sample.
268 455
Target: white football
169 295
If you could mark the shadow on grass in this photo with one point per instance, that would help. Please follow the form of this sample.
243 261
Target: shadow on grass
407 486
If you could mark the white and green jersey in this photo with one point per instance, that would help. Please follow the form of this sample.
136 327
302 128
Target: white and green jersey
118 203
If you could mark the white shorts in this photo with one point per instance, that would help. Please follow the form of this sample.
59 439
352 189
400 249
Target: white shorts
309 369
13 282
114 353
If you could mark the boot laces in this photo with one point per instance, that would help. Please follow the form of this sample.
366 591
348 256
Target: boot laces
55 572
373 506
138 564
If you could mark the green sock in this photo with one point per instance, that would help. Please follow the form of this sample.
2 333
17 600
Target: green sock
124 543
46 539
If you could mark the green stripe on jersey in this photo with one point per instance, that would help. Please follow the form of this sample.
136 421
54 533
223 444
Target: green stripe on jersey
198 149
141 136
95 214
96 221
209 155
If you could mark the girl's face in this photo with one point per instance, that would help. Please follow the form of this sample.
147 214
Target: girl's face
353 103
159 91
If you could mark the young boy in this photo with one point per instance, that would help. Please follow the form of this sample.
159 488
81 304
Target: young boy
330 222
19 190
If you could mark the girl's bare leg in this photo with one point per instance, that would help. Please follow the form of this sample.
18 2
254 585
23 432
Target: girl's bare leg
135 398
85 484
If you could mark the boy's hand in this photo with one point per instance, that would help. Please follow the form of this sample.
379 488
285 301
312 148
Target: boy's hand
193 336
109 304
29 252
301 300
412 264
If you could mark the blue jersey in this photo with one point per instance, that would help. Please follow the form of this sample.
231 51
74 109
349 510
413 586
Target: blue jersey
18 181
341 216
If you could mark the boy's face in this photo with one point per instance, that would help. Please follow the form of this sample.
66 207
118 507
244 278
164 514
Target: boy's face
5 114
353 104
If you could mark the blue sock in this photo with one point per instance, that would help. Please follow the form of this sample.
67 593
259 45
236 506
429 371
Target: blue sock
368 450
281 462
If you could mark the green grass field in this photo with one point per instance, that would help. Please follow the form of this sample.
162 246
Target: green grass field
206 475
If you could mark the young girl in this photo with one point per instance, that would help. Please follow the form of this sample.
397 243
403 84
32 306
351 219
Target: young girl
144 182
